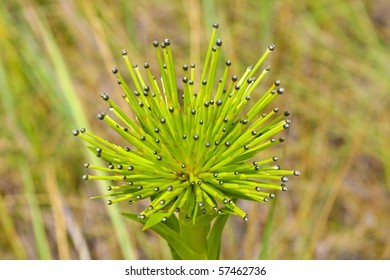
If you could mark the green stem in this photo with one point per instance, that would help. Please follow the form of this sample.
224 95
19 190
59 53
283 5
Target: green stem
195 236
188 240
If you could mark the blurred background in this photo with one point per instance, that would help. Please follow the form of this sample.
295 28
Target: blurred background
332 57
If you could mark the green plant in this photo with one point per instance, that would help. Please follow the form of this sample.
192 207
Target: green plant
190 153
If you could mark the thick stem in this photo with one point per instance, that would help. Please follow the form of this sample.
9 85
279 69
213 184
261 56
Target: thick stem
195 237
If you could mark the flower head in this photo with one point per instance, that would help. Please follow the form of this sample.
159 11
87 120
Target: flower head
191 152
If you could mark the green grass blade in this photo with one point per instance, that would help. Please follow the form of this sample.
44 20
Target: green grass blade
41 239
76 112
264 250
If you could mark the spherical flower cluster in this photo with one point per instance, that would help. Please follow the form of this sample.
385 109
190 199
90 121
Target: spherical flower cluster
191 151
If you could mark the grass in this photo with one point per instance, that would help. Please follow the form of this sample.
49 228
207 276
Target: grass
332 57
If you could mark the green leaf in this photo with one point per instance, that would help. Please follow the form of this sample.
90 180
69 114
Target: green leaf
173 223
174 240
263 255
190 205
214 240
154 219
175 255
